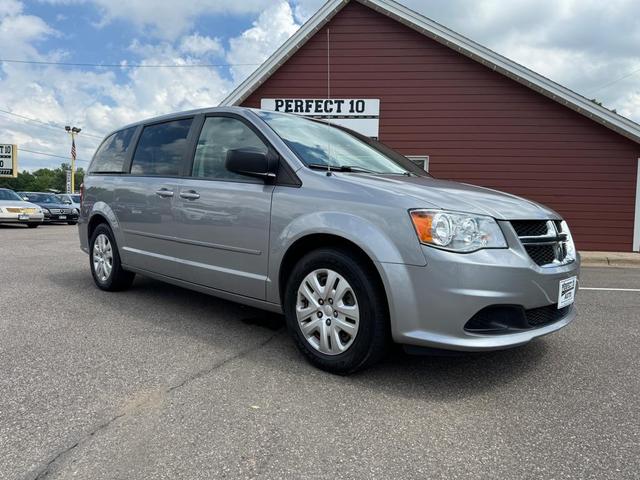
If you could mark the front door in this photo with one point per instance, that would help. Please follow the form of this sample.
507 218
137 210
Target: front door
223 217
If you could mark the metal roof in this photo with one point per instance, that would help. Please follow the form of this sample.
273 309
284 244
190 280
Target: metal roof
449 38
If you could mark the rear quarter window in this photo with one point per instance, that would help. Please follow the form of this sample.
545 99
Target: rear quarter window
111 155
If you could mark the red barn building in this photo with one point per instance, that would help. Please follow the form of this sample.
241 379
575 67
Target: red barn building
477 116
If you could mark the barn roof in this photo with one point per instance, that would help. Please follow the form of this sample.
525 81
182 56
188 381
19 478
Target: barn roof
446 37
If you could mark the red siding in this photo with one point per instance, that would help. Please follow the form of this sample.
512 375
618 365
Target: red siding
476 125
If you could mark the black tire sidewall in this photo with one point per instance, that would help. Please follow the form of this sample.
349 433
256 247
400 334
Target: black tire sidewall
370 340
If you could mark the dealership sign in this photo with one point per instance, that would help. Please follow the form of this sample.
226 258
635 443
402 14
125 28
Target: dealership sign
8 160
359 114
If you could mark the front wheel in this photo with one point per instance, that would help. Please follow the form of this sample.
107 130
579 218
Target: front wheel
104 260
32 225
336 311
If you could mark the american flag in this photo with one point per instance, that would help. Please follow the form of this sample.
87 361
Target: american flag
73 148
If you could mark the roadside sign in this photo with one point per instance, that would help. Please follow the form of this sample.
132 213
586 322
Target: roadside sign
359 114
68 181
8 160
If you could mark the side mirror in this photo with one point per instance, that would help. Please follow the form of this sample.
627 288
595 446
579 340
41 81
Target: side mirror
252 162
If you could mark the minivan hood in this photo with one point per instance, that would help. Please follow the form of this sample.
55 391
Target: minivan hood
447 195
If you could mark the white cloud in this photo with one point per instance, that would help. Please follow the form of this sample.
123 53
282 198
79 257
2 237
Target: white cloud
272 28
201 45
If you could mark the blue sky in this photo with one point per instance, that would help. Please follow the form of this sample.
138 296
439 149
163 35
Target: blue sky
590 46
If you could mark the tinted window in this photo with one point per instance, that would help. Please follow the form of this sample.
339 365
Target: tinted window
111 155
219 135
160 149
43 198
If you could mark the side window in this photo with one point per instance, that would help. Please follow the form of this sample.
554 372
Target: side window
218 136
160 149
112 152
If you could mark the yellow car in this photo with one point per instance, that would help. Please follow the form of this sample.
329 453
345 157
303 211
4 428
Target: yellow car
14 209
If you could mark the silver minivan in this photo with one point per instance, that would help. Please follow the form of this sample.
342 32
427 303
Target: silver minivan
353 242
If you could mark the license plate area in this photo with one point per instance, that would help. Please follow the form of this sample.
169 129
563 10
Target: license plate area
567 291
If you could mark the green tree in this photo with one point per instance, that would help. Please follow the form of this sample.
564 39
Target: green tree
43 179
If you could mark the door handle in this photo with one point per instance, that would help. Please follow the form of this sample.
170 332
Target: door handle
164 193
190 195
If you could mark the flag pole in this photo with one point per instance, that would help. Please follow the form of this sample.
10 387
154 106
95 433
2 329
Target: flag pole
73 131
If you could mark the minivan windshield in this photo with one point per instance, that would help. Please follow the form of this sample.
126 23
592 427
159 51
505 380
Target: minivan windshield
320 145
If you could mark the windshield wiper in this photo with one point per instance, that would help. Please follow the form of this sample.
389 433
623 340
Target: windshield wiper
340 168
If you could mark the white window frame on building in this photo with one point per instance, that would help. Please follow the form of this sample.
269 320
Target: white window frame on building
421 160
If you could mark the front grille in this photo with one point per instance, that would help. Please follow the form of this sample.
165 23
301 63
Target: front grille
541 254
537 317
544 241
530 228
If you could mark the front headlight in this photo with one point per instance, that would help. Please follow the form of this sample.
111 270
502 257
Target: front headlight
458 232
75 210
569 245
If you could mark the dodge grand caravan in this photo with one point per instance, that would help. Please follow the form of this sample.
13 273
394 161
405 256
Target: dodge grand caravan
354 243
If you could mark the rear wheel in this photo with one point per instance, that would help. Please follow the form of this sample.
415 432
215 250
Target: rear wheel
104 260
336 311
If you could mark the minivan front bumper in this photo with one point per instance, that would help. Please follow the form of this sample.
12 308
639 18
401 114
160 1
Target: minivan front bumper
430 305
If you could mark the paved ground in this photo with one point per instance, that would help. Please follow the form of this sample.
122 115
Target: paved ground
160 382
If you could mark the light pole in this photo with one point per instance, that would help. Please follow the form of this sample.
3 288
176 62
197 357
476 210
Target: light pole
73 131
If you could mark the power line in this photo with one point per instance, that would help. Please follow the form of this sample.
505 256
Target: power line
20 149
46 124
41 125
131 65
630 74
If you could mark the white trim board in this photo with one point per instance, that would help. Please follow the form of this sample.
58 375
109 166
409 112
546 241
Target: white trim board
636 221
449 38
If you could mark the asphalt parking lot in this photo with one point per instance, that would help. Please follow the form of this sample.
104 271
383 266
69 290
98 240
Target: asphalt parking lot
161 382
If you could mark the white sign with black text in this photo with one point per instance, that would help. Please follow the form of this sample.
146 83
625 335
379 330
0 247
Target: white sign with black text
359 114
8 160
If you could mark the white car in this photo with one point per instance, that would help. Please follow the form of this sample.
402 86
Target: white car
72 199
14 209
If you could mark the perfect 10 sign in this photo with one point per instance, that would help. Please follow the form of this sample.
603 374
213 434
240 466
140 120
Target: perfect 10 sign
359 114
8 160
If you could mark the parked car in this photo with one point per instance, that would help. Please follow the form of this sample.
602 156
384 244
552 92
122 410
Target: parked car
54 208
72 199
13 209
353 242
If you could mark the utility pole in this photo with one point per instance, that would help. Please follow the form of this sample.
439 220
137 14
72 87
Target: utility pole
73 131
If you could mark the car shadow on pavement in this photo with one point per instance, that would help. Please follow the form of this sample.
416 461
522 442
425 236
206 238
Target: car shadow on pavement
437 377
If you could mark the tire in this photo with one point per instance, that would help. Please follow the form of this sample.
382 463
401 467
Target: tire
33 225
104 254
72 223
342 353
